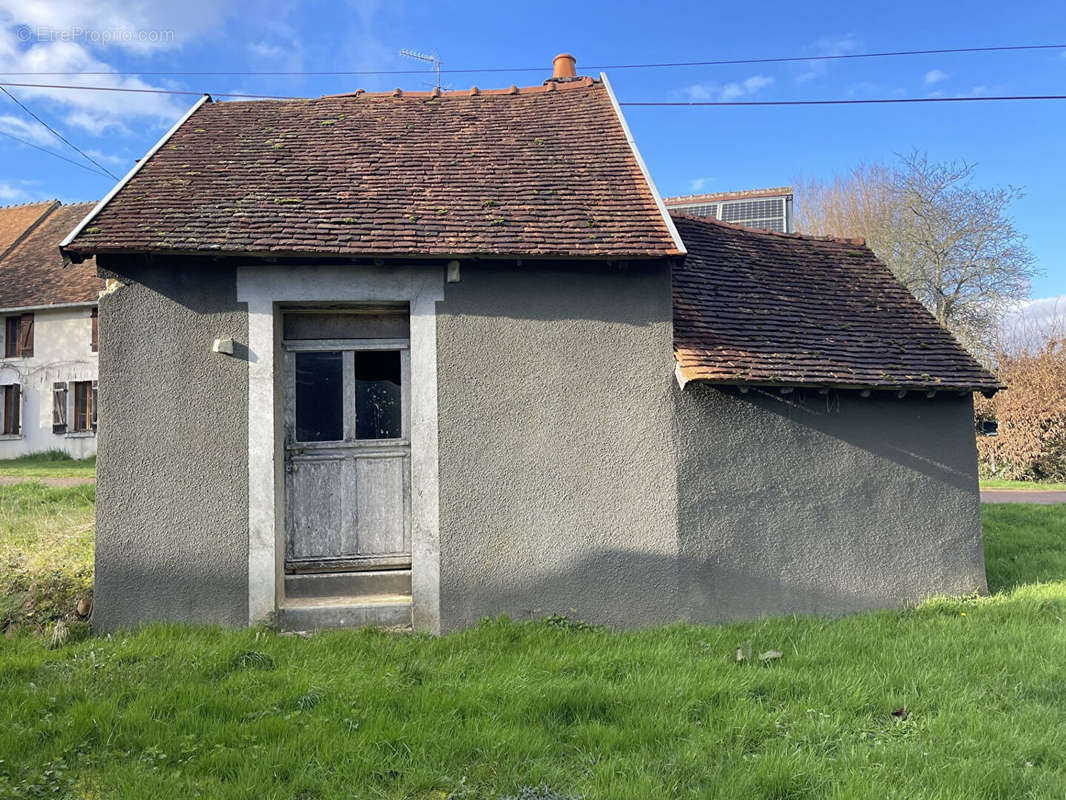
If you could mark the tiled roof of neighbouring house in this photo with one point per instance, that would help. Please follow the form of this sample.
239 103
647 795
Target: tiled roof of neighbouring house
717 197
546 171
33 273
754 307
15 221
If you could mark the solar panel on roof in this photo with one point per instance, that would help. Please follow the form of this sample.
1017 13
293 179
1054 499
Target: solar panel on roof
763 213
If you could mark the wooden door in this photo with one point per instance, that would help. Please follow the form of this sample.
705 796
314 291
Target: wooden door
347 455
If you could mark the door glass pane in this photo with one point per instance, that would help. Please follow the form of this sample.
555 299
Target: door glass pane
377 395
319 397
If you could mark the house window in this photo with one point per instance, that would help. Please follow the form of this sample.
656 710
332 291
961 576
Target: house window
94 344
320 396
83 411
10 407
378 395
18 336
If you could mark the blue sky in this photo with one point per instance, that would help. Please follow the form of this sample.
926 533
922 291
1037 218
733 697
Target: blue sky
702 149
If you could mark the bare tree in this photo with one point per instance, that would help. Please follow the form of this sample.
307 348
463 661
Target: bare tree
951 243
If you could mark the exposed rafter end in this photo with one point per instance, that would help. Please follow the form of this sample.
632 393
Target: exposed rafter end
785 390
901 393
864 393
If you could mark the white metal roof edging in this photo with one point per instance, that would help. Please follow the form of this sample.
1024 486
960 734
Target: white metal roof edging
129 175
682 250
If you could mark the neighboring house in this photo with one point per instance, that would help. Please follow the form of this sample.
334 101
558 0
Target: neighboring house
433 357
765 209
48 339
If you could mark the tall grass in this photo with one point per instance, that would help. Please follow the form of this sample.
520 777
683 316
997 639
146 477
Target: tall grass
960 698
50 464
46 553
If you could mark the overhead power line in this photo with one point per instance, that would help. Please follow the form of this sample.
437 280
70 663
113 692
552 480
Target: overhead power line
151 91
542 68
855 102
664 103
57 134
52 153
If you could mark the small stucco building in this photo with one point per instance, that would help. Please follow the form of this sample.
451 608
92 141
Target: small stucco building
425 358
48 335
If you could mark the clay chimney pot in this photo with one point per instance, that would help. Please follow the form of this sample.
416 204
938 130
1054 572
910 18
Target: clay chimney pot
565 66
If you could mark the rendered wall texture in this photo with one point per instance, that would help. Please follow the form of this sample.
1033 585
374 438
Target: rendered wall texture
575 476
578 478
805 503
172 475
557 463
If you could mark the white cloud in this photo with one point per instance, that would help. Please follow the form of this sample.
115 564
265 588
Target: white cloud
25 129
9 193
935 76
729 91
696 184
1029 324
143 26
94 111
109 159
829 46
79 36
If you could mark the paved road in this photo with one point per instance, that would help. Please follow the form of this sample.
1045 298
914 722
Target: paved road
8 480
1022 496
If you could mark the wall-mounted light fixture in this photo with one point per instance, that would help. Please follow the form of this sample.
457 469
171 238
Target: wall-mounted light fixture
223 346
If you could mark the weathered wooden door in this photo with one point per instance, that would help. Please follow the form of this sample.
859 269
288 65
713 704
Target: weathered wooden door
347 454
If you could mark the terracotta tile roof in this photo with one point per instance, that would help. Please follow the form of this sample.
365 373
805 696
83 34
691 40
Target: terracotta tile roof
16 220
755 307
33 273
545 171
717 197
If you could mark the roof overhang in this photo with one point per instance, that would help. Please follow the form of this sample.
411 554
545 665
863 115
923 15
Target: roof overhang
787 387
47 307
77 257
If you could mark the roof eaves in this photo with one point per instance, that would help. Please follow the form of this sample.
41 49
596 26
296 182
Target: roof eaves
678 244
685 376
78 257
47 306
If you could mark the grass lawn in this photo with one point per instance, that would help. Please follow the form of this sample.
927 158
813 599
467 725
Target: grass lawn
46 552
978 686
53 464
1000 483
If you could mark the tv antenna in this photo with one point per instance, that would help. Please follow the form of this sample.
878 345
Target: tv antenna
429 58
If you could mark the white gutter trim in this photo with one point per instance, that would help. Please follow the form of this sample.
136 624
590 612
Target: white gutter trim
83 304
129 175
680 245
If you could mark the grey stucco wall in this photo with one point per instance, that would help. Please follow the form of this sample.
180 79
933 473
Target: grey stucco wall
557 469
806 503
576 476
172 474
